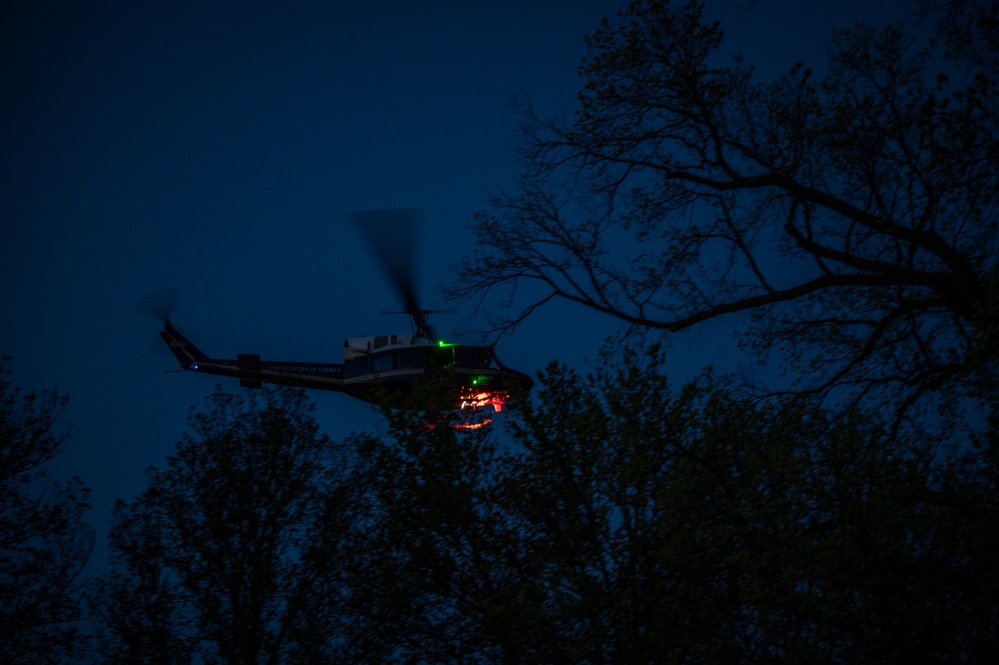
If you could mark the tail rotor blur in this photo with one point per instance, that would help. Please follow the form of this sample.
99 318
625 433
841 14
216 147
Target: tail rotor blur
160 304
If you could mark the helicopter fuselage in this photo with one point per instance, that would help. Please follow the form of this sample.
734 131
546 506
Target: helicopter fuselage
372 367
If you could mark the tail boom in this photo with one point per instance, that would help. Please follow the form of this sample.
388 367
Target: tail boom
250 370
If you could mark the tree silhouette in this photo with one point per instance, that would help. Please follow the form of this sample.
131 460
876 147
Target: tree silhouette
425 578
44 543
721 528
623 521
214 560
851 216
712 528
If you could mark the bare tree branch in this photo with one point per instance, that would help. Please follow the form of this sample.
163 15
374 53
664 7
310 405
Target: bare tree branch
857 209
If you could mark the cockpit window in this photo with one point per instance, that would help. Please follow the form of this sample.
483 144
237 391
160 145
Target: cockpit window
484 359
476 357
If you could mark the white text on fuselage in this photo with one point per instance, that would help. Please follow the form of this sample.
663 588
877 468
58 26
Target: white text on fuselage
305 369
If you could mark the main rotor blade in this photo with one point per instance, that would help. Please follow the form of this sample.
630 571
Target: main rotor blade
392 236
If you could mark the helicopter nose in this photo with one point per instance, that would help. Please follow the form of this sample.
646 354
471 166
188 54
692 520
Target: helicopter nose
525 381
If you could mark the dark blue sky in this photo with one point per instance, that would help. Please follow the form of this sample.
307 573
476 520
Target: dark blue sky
216 147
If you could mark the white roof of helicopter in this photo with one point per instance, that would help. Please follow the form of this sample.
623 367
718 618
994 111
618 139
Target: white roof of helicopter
359 347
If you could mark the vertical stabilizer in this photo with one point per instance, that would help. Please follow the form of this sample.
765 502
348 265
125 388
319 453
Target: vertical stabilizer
183 349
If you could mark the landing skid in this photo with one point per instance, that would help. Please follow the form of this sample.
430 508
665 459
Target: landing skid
469 424
470 419
475 416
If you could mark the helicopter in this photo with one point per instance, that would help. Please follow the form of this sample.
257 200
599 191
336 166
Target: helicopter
373 366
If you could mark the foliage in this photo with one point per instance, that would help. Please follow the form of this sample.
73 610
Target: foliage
422 574
215 559
735 531
852 214
44 542
621 520
632 522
